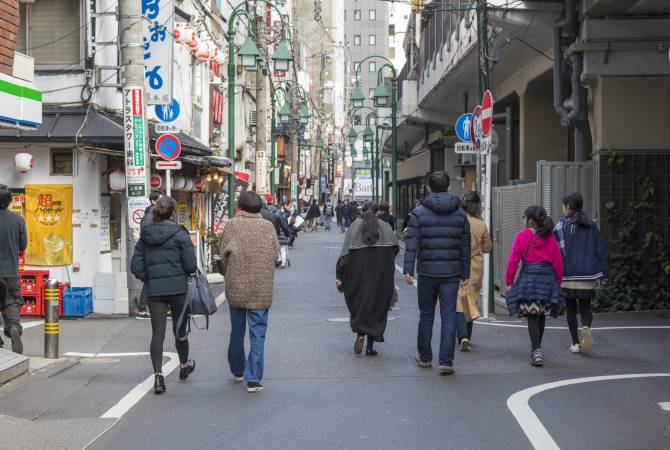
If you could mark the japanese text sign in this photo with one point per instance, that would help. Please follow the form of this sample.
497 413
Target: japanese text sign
133 138
158 46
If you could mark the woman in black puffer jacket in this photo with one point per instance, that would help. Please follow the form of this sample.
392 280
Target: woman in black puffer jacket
164 258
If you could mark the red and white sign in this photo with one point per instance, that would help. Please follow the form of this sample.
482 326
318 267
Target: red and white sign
487 113
156 182
168 147
198 184
217 106
167 165
137 102
477 132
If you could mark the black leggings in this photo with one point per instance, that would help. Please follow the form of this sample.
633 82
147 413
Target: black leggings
158 307
571 313
536 330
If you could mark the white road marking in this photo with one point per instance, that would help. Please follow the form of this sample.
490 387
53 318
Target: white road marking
135 395
399 269
531 425
220 299
641 327
31 324
665 406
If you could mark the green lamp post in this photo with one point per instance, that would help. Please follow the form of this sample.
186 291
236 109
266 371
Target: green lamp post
357 97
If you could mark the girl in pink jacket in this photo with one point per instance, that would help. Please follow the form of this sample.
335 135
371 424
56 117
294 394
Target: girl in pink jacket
536 292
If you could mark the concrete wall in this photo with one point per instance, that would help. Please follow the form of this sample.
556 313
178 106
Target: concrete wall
414 167
631 113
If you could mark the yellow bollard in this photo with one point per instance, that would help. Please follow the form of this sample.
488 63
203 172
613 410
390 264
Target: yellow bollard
51 324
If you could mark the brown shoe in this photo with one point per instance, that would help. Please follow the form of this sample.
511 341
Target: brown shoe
358 345
446 369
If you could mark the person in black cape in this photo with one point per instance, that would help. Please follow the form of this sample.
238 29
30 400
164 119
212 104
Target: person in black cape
365 273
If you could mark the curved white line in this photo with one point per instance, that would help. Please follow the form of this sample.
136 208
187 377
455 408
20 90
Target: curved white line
641 327
135 395
531 425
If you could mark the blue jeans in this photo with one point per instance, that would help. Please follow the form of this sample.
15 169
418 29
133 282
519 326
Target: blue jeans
252 368
328 221
344 224
429 288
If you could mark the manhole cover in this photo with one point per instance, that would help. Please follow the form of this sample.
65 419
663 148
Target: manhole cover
346 319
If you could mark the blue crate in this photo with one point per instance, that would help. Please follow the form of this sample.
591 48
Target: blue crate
77 301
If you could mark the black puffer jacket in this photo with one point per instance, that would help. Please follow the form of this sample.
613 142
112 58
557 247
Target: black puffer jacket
164 258
438 236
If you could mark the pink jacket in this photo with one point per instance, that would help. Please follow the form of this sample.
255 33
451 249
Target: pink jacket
543 249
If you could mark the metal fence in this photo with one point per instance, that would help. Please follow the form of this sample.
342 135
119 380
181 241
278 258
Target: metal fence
555 179
509 203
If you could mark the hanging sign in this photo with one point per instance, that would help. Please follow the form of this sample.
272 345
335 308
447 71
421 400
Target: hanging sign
158 46
133 137
49 224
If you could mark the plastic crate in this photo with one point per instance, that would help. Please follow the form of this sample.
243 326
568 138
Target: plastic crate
32 281
32 305
77 301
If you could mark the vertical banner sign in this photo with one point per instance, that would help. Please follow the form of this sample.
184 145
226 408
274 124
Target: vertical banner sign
261 172
133 136
158 47
105 218
49 224
18 203
220 210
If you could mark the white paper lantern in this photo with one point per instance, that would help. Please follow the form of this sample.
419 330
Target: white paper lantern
23 161
178 183
194 44
203 52
219 58
188 187
116 181
184 34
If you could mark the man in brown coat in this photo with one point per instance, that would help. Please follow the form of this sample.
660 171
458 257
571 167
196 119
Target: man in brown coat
249 250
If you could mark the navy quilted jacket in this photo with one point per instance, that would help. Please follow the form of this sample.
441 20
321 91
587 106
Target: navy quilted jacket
438 238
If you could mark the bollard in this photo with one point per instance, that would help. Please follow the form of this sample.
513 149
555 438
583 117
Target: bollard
51 325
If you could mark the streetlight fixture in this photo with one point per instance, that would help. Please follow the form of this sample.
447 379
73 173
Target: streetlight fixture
249 54
285 113
304 113
368 135
282 57
381 95
352 136
357 97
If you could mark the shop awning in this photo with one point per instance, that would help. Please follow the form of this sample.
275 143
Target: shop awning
89 126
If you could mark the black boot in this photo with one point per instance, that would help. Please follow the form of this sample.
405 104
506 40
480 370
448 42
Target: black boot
184 372
17 343
159 384
370 351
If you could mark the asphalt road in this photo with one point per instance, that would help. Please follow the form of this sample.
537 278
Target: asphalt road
319 395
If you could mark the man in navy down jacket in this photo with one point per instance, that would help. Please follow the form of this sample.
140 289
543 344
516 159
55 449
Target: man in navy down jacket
438 240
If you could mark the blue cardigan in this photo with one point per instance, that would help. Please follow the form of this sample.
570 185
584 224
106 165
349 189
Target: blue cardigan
583 251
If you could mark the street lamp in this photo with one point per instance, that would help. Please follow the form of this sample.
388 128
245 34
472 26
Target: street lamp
285 113
381 95
249 54
357 97
282 57
352 136
368 134
304 113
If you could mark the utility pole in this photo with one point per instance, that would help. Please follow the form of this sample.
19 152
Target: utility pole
261 113
136 155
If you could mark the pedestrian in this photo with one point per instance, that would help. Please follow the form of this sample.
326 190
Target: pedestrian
365 272
344 224
385 215
287 234
313 214
163 260
338 215
438 239
249 249
147 219
468 295
351 212
536 293
14 240
584 264
328 213
405 222
268 213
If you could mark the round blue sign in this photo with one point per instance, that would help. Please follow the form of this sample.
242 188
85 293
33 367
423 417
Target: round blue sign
463 127
168 113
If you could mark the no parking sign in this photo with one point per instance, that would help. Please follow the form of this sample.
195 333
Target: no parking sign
168 147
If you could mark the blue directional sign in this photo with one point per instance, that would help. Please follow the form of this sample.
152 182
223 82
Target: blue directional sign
463 127
168 113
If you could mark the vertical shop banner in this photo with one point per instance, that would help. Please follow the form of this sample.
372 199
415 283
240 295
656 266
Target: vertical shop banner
133 136
18 204
220 210
198 218
49 224
158 45
105 229
182 214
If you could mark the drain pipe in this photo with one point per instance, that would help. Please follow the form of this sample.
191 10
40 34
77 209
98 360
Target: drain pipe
574 115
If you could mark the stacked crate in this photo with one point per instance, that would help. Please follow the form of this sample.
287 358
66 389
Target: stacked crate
32 291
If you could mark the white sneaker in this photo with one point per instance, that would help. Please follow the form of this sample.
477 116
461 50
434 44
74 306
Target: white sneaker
587 340
575 348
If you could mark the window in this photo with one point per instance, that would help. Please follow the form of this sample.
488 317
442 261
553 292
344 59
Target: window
357 64
372 39
371 92
357 14
357 119
372 66
50 32
61 161
357 39
372 14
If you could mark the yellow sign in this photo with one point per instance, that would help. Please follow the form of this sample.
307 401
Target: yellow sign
49 224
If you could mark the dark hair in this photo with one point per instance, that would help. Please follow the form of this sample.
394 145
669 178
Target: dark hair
384 206
5 196
155 195
575 201
370 227
544 224
439 181
472 204
250 202
164 209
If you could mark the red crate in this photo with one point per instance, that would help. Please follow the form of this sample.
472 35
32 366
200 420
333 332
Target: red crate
32 282
32 305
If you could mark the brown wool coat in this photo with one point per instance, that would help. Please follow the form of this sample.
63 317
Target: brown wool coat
249 250
480 243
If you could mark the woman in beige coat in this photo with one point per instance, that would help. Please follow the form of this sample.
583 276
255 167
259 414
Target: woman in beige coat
249 250
468 295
